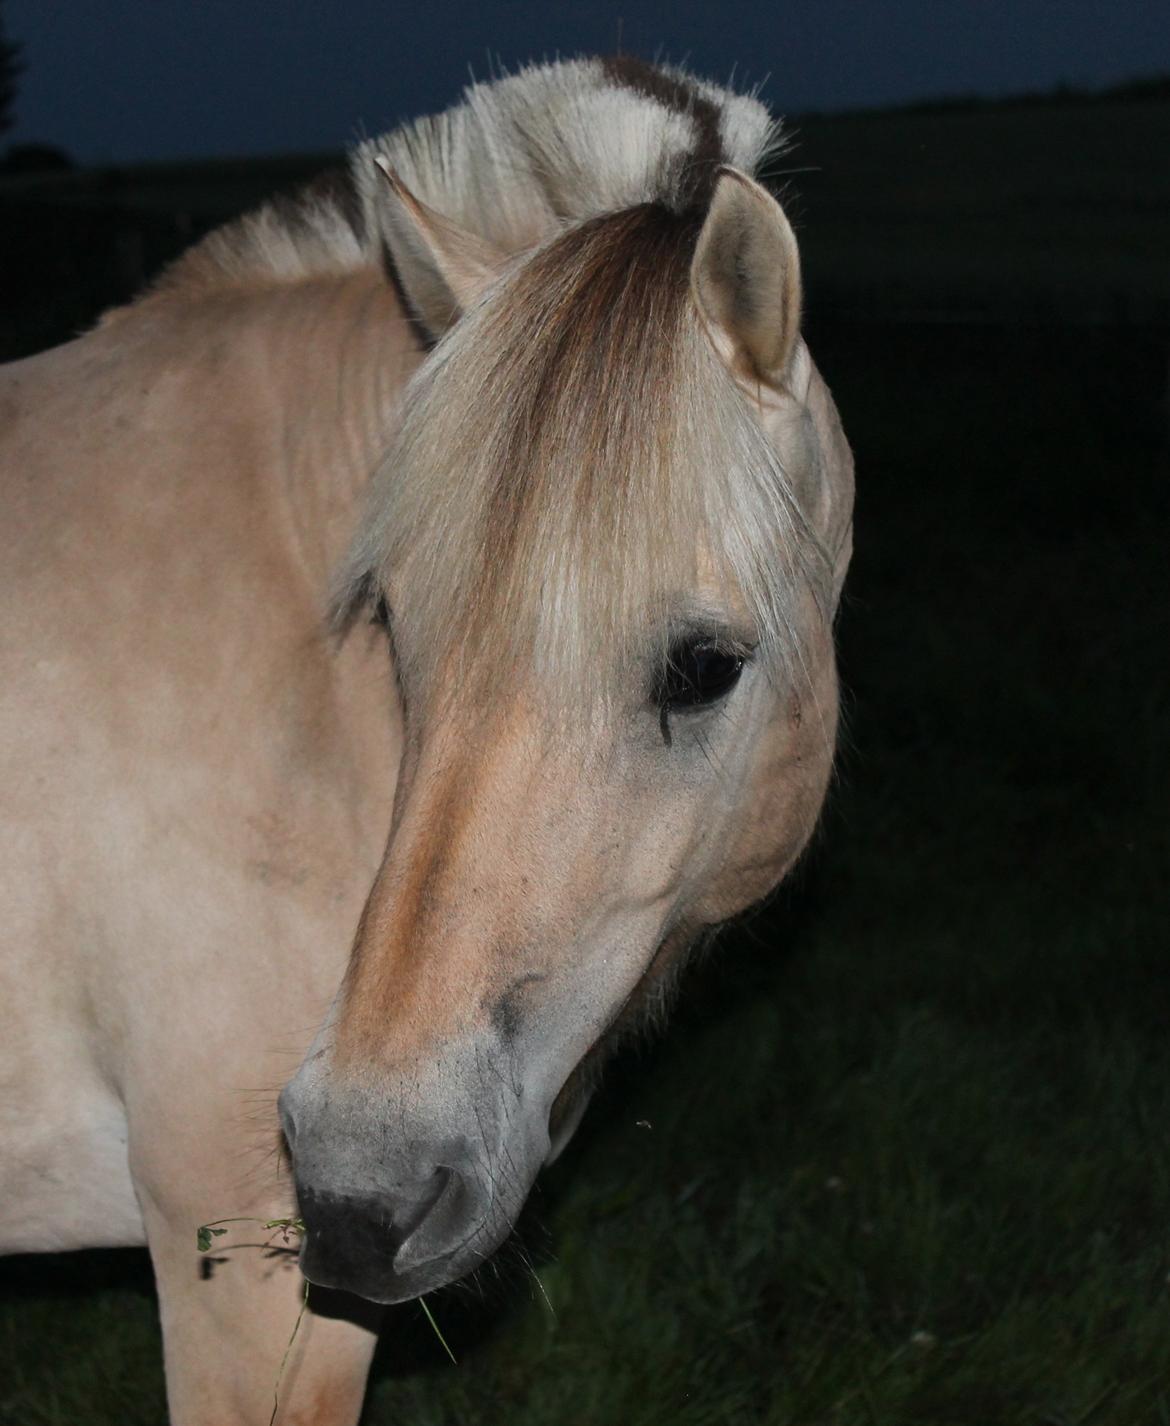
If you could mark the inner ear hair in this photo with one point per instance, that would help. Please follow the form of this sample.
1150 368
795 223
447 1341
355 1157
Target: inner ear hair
746 277
443 268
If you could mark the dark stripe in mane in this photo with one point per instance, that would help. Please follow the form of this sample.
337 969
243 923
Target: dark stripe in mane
704 160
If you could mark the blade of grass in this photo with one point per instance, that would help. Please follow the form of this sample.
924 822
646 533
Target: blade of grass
422 1302
287 1350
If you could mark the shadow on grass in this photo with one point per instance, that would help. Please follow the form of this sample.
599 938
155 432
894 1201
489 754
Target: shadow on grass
62 1275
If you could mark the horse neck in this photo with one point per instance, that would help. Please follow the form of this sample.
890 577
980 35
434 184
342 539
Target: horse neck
308 372
337 352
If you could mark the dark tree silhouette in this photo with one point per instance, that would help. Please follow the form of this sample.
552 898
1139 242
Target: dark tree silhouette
10 67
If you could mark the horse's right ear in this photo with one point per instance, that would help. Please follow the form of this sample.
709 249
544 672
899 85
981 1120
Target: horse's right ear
745 278
443 269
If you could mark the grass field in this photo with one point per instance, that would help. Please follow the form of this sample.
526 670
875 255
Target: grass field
906 1160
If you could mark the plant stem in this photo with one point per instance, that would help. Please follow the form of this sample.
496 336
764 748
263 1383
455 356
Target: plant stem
422 1302
287 1350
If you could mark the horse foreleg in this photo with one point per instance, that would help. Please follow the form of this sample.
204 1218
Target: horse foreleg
228 1325
236 1340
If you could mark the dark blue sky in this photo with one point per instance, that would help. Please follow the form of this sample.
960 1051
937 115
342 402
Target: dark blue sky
118 80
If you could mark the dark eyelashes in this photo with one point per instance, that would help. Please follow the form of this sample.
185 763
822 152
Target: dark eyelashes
697 674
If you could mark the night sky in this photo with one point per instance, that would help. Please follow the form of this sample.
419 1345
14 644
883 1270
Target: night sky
121 80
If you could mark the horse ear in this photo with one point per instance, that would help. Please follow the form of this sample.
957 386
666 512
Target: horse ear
443 268
745 277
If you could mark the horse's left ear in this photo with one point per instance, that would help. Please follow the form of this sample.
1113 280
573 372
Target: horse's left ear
443 268
745 277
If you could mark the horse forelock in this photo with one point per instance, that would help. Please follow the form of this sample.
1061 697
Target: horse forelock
574 466
577 473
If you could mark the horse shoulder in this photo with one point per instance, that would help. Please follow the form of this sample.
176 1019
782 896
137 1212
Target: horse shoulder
194 785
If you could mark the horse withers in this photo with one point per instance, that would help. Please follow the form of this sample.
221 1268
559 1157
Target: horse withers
450 554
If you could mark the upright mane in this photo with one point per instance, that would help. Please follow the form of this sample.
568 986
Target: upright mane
557 144
515 161
574 468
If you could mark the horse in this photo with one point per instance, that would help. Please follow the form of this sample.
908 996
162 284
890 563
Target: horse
417 633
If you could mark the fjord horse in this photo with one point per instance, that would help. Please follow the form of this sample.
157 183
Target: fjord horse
415 634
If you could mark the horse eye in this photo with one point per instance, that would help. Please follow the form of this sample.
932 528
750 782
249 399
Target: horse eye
696 675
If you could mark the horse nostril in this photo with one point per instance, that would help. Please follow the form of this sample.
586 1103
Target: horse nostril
436 1224
411 1211
380 1245
287 1124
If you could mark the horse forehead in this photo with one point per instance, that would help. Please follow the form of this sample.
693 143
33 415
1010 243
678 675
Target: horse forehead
714 594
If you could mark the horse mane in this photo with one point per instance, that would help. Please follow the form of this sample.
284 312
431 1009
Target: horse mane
515 161
574 471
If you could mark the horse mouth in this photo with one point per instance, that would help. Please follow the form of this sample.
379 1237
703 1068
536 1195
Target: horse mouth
375 1279
393 1252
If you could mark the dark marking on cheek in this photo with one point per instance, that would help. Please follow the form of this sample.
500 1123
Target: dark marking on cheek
664 724
508 1013
507 1017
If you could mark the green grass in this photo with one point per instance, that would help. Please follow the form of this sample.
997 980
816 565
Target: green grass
907 1157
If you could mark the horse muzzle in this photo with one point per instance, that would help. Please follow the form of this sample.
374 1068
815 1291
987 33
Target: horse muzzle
394 1207
398 1245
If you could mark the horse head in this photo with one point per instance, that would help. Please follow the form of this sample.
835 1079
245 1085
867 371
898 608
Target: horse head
607 545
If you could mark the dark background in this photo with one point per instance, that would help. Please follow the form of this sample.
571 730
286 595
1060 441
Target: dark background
124 80
907 1156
